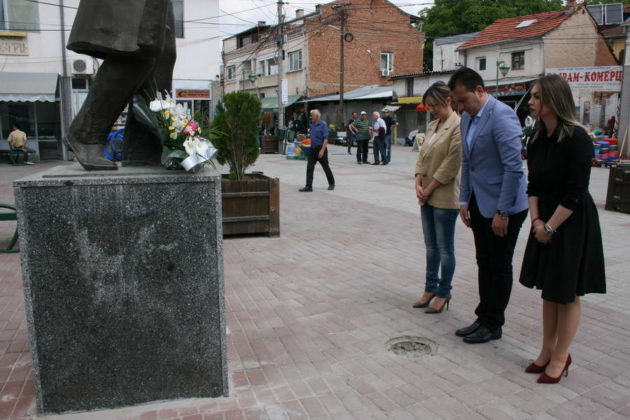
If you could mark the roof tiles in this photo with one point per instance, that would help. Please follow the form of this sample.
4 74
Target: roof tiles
505 29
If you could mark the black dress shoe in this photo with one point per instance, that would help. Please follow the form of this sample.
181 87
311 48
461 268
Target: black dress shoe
306 189
483 335
463 332
376 163
331 187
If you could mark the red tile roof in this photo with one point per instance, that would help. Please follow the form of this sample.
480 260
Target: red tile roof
505 29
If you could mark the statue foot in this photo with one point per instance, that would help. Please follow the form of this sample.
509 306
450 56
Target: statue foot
90 156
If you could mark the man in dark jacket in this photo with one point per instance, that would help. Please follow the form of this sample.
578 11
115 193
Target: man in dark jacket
136 41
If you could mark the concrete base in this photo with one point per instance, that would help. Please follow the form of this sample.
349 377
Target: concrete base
123 281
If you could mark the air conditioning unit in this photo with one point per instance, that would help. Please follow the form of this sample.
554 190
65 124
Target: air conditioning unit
384 73
82 66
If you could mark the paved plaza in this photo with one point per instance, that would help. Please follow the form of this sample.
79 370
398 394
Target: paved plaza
311 313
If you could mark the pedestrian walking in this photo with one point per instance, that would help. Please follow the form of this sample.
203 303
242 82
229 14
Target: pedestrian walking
493 199
378 131
319 152
362 127
351 132
437 189
564 256
389 122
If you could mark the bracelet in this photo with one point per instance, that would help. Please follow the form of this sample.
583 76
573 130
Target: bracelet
549 230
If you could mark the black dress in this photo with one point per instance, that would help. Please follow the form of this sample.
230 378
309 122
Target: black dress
573 263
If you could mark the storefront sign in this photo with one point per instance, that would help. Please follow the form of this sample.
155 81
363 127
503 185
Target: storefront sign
515 89
595 79
192 93
13 46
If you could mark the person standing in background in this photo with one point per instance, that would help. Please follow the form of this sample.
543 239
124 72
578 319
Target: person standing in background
379 130
351 134
362 128
18 140
389 122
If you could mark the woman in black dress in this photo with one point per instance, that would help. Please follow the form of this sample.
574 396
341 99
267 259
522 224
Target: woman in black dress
564 255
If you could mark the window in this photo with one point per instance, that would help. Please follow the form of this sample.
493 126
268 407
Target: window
178 11
230 72
526 23
481 63
387 64
295 60
518 60
409 84
19 15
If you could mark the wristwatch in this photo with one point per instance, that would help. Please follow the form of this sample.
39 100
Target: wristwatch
503 214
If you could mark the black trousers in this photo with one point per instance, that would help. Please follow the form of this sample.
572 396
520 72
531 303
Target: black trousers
494 261
362 151
313 158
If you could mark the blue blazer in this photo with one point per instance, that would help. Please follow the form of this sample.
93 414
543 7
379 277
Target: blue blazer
491 165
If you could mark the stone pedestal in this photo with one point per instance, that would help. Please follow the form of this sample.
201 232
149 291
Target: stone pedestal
123 282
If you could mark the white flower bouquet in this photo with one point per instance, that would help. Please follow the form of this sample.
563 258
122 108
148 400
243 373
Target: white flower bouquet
183 146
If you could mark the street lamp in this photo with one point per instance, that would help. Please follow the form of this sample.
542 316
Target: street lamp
504 71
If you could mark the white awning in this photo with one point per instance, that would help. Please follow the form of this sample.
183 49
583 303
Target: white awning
28 87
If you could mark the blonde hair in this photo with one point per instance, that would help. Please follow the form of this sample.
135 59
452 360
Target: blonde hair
438 93
555 93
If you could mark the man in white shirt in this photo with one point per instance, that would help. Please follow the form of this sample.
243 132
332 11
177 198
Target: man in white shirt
379 131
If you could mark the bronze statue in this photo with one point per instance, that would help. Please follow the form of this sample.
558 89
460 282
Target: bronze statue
135 39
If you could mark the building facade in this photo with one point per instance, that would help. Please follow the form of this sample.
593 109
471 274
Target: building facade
380 40
513 52
43 85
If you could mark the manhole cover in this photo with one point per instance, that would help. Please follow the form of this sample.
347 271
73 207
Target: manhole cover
412 346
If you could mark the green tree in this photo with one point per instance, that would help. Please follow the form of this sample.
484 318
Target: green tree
454 17
236 127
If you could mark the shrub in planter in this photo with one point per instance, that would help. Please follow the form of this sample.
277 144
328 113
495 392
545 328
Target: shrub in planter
236 125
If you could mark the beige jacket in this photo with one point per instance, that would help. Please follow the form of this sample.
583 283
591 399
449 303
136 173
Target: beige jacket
442 161
17 139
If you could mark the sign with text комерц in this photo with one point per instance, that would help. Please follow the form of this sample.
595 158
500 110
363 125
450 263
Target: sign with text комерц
595 79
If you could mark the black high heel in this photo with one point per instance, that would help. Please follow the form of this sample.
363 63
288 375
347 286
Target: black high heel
437 311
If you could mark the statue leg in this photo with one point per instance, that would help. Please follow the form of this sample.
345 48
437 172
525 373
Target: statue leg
143 145
115 83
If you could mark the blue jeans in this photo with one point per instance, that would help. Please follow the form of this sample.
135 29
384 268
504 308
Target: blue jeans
438 226
388 146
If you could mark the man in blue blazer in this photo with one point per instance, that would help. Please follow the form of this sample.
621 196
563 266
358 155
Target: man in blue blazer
493 199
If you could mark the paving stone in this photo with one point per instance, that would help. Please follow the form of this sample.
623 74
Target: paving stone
309 314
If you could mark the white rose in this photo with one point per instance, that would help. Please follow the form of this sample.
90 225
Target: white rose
155 105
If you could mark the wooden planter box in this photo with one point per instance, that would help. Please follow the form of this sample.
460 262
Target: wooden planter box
269 144
251 206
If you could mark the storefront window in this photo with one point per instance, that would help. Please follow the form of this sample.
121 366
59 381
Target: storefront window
21 113
48 124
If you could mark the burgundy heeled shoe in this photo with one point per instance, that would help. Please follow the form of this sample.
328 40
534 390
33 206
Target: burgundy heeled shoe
534 368
546 379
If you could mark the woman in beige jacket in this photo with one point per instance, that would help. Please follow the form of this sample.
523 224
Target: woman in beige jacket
437 188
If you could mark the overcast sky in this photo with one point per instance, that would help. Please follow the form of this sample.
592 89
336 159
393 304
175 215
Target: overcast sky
248 12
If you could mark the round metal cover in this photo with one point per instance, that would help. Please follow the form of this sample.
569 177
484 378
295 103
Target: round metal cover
412 346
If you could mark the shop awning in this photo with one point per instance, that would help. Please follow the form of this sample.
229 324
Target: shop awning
410 100
270 103
28 87
360 94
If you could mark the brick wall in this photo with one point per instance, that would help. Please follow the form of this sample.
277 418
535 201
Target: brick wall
576 43
377 26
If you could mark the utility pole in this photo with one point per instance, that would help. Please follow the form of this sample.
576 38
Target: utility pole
280 43
343 15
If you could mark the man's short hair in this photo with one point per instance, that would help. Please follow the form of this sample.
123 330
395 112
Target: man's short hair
16 125
466 77
316 112
377 114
